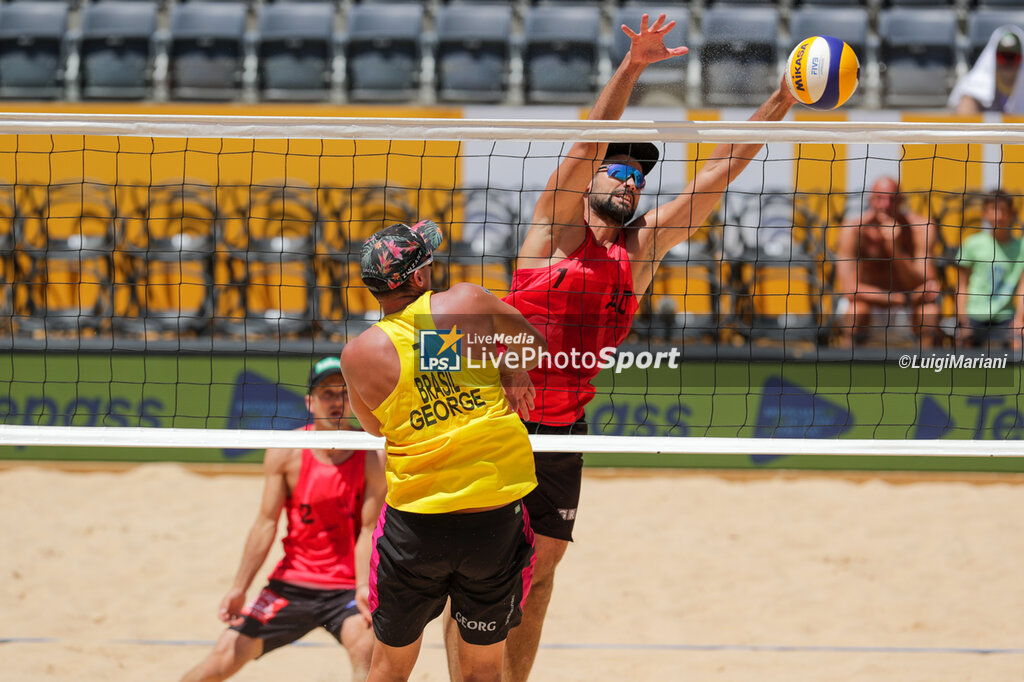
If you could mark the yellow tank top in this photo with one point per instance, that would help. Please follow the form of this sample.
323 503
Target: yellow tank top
453 441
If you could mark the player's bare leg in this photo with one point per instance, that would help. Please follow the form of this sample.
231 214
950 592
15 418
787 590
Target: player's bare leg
856 322
357 638
926 321
451 644
393 664
521 645
480 663
470 662
232 651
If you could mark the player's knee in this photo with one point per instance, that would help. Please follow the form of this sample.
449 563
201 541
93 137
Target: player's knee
361 651
488 675
214 669
230 653
221 665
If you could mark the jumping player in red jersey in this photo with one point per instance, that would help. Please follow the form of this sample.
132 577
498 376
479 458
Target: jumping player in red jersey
331 499
581 271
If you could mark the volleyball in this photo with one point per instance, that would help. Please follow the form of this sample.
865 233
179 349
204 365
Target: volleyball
822 72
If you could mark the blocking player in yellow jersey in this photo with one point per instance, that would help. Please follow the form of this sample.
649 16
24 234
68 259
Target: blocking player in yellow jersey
432 379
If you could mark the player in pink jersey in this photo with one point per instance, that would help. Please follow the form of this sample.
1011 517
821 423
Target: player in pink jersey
582 269
332 499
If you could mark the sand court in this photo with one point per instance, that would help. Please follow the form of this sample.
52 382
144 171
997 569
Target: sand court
675 575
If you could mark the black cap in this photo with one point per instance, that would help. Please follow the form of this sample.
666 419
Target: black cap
324 368
645 153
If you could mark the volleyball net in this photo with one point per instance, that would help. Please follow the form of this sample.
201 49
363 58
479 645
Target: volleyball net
168 281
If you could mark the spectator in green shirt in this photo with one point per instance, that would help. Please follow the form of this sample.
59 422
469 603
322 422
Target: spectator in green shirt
991 263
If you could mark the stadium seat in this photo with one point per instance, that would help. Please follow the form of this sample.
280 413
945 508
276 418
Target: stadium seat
982 22
849 24
343 302
665 76
116 49
786 301
473 52
32 49
465 262
383 51
686 293
296 50
265 279
776 275
921 3
164 262
206 50
65 248
561 53
739 57
9 229
917 56
829 3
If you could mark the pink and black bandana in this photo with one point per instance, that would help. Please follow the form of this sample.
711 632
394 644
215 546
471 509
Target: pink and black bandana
391 255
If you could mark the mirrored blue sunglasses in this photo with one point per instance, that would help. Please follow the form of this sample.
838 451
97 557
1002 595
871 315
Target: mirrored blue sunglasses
622 172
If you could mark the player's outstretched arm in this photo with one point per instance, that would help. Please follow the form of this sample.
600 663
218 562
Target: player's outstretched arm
558 225
261 535
675 221
645 48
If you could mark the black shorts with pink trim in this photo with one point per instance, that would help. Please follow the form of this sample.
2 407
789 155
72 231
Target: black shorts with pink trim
483 561
282 613
552 504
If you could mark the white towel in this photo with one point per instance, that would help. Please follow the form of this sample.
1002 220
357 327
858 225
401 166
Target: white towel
980 81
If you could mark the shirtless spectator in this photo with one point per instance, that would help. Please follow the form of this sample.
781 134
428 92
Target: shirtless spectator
883 263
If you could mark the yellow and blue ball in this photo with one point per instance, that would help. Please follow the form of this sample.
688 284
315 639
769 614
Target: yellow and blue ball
822 72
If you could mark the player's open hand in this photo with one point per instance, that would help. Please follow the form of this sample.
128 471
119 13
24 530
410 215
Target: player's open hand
231 605
519 391
648 46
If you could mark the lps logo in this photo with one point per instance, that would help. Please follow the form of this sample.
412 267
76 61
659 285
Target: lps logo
440 351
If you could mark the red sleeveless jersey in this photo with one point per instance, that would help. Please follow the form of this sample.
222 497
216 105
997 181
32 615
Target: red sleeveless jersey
582 303
324 519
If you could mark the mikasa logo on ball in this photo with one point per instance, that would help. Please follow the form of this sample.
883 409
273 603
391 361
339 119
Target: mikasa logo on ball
797 63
